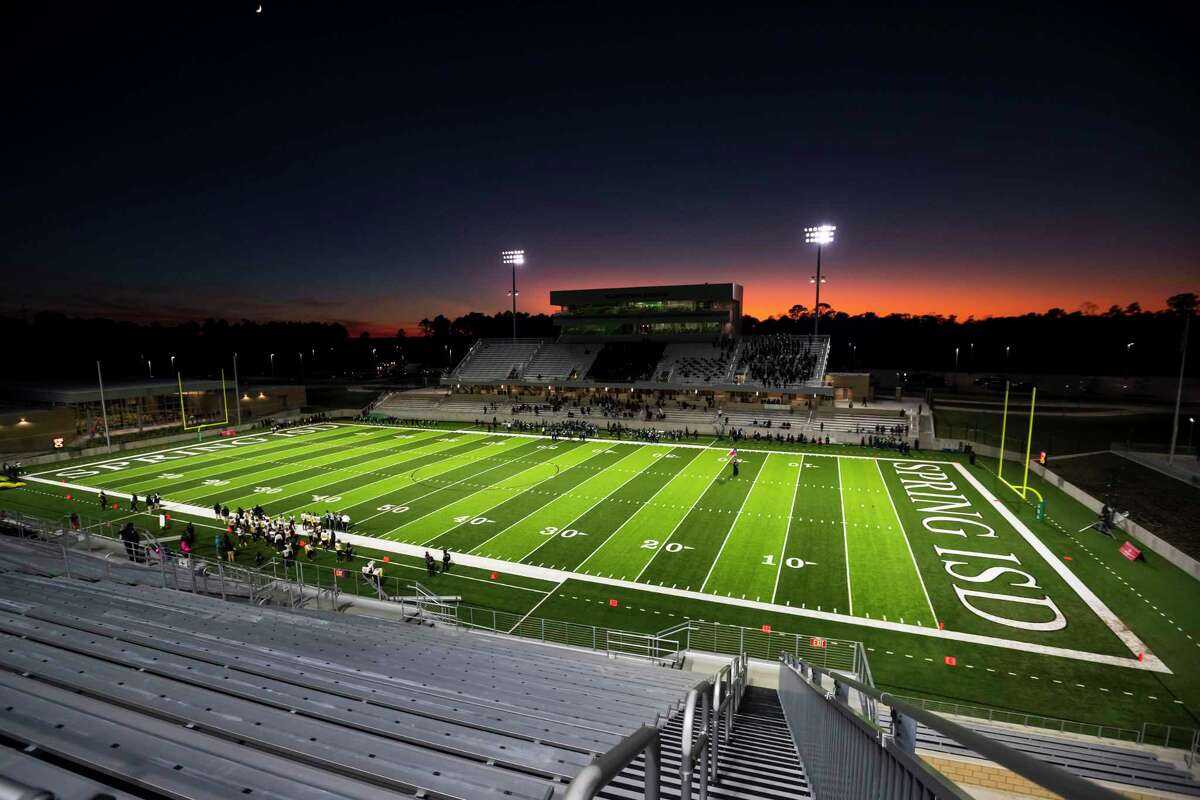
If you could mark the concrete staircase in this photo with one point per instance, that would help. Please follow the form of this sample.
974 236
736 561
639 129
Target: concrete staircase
759 762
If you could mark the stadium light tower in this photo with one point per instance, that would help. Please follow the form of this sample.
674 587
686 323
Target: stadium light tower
514 258
821 235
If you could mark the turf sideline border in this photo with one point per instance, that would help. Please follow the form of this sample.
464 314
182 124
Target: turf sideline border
1120 629
1150 663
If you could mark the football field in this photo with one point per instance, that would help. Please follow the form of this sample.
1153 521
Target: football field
920 543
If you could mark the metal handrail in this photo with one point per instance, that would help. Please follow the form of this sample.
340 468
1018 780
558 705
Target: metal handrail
694 745
1047 776
598 774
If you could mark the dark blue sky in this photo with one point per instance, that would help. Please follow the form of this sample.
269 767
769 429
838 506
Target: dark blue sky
329 161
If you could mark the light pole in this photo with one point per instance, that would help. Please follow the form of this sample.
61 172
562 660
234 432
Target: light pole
1128 347
172 363
514 258
149 368
970 357
1007 348
956 359
272 365
1191 428
237 395
821 235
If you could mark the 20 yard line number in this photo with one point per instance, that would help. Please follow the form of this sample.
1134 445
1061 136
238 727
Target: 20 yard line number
669 547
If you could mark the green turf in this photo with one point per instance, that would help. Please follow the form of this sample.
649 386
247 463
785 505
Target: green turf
806 527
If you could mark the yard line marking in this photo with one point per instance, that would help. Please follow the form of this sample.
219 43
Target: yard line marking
729 532
440 461
787 536
198 447
532 488
647 504
692 508
845 536
406 523
511 525
537 605
907 544
589 508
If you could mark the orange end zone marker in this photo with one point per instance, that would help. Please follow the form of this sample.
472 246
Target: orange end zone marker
941 626
1067 558
613 603
387 559
493 576
951 661
766 628
68 497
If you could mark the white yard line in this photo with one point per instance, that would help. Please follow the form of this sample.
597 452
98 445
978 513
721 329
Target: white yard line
649 501
1150 663
845 537
538 605
686 514
523 491
585 512
907 543
713 566
199 446
487 488
1106 615
788 535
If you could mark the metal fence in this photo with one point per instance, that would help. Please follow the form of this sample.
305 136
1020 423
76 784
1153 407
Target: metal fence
847 757
1028 720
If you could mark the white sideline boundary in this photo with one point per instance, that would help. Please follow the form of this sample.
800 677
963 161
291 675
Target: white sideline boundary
1106 615
1150 663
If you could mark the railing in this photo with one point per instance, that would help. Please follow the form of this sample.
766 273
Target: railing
846 756
595 776
1031 720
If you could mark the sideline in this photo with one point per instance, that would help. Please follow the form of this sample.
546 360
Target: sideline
1150 662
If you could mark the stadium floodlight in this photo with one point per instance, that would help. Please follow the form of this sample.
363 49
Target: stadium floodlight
819 235
513 258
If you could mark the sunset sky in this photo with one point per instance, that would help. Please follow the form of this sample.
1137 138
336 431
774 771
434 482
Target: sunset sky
367 164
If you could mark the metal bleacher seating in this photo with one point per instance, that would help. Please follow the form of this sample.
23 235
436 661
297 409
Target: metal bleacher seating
174 694
1089 758
694 364
497 359
560 361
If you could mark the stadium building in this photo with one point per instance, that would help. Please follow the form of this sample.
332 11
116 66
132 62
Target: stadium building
652 338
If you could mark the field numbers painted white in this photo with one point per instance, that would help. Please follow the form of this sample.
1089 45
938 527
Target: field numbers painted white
267 490
215 482
473 520
791 561
569 533
392 509
669 547
326 498
171 476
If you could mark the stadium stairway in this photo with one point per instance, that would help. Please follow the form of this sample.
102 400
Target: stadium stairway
759 762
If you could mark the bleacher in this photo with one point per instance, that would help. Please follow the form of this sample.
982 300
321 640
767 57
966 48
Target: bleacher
560 361
195 697
410 404
1095 759
497 360
694 364
780 361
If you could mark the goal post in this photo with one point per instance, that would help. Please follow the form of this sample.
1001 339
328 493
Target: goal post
1024 490
183 413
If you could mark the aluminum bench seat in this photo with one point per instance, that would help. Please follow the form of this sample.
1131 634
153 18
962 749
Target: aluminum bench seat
588 717
104 661
21 775
327 745
159 756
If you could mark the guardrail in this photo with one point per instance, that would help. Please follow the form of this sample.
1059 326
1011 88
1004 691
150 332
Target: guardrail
848 757
1028 720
